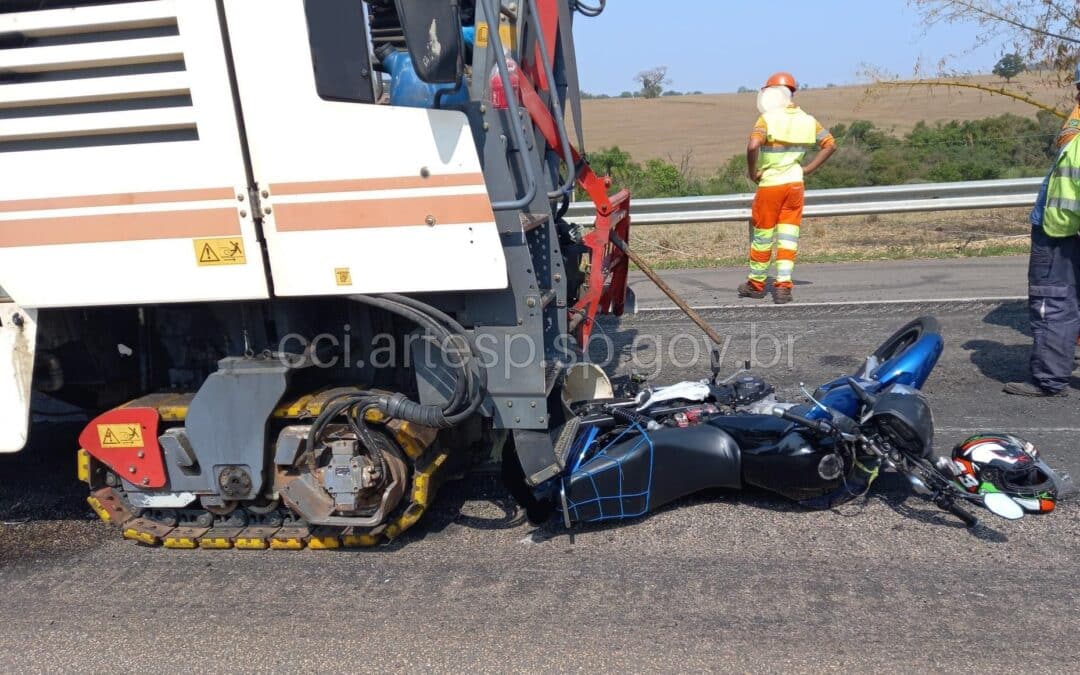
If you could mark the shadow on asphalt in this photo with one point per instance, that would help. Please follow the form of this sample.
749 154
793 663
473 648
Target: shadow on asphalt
1000 362
1010 315
891 490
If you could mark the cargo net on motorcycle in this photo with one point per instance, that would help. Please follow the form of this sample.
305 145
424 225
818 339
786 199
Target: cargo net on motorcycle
610 492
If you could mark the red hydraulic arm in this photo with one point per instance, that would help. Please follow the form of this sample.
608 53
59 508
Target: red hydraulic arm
605 290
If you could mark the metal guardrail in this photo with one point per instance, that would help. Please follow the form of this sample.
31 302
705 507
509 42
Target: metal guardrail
987 194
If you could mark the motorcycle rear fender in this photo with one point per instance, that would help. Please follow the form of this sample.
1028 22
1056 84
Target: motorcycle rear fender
18 338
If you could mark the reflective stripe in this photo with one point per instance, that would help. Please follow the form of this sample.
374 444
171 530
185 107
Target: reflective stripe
793 238
1070 172
793 149
1064 204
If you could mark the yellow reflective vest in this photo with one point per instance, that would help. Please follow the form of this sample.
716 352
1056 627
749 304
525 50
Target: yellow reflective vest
789 134
1061 217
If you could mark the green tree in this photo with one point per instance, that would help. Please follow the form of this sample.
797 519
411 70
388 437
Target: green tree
1009 66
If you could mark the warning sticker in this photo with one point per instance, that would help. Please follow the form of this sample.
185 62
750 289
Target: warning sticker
120 436
483 34
343 275
213 252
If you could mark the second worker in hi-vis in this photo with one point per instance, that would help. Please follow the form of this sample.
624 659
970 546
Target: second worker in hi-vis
781 138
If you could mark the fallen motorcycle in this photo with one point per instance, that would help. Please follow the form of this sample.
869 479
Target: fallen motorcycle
624 457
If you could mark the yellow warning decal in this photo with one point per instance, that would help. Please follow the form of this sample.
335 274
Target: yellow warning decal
483 35
120 436
214 252
343 275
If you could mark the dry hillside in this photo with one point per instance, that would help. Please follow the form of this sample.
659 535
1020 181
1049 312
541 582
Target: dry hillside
714 127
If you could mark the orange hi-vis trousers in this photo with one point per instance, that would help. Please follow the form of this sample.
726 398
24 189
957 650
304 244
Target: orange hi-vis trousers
775 217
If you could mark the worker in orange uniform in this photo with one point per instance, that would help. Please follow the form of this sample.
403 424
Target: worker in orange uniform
780 140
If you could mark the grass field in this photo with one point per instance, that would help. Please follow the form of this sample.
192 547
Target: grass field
850 238
712 128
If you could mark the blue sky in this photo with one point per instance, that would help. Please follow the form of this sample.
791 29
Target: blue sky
720 45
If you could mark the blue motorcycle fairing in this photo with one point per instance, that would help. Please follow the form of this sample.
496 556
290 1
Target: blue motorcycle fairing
912 368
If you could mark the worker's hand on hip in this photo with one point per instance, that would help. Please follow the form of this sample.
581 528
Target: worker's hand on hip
755 176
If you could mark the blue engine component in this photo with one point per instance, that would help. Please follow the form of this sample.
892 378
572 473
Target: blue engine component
407 89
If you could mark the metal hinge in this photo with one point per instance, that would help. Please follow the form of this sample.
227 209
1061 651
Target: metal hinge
256 202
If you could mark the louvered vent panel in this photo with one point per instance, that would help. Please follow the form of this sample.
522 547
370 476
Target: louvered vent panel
105 74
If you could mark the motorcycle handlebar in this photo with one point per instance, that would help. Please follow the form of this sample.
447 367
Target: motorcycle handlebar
820 426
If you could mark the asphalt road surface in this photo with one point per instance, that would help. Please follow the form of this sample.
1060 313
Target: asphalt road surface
722 581
869 282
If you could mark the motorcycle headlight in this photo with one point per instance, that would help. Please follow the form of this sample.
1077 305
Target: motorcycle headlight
905 420
830 467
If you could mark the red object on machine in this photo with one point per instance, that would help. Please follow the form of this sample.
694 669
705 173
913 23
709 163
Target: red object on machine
605 292
498 92
548 11
126 441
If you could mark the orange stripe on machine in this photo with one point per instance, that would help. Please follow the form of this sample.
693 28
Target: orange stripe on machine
374 184
120 199
99 228
369 213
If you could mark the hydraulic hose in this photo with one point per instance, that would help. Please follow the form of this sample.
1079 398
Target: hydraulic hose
469 383
590 11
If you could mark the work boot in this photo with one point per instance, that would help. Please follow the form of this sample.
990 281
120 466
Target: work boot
1032 390
782 295
746 290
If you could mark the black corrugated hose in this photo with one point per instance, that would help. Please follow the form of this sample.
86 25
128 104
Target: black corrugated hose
469 385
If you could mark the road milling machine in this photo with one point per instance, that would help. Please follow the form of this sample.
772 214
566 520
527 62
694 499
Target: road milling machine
297 260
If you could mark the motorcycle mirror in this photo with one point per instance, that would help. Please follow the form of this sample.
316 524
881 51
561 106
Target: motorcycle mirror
919 487
1003 505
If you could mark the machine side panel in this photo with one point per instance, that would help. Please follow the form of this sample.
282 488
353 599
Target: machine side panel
18 335
356 198
120 157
